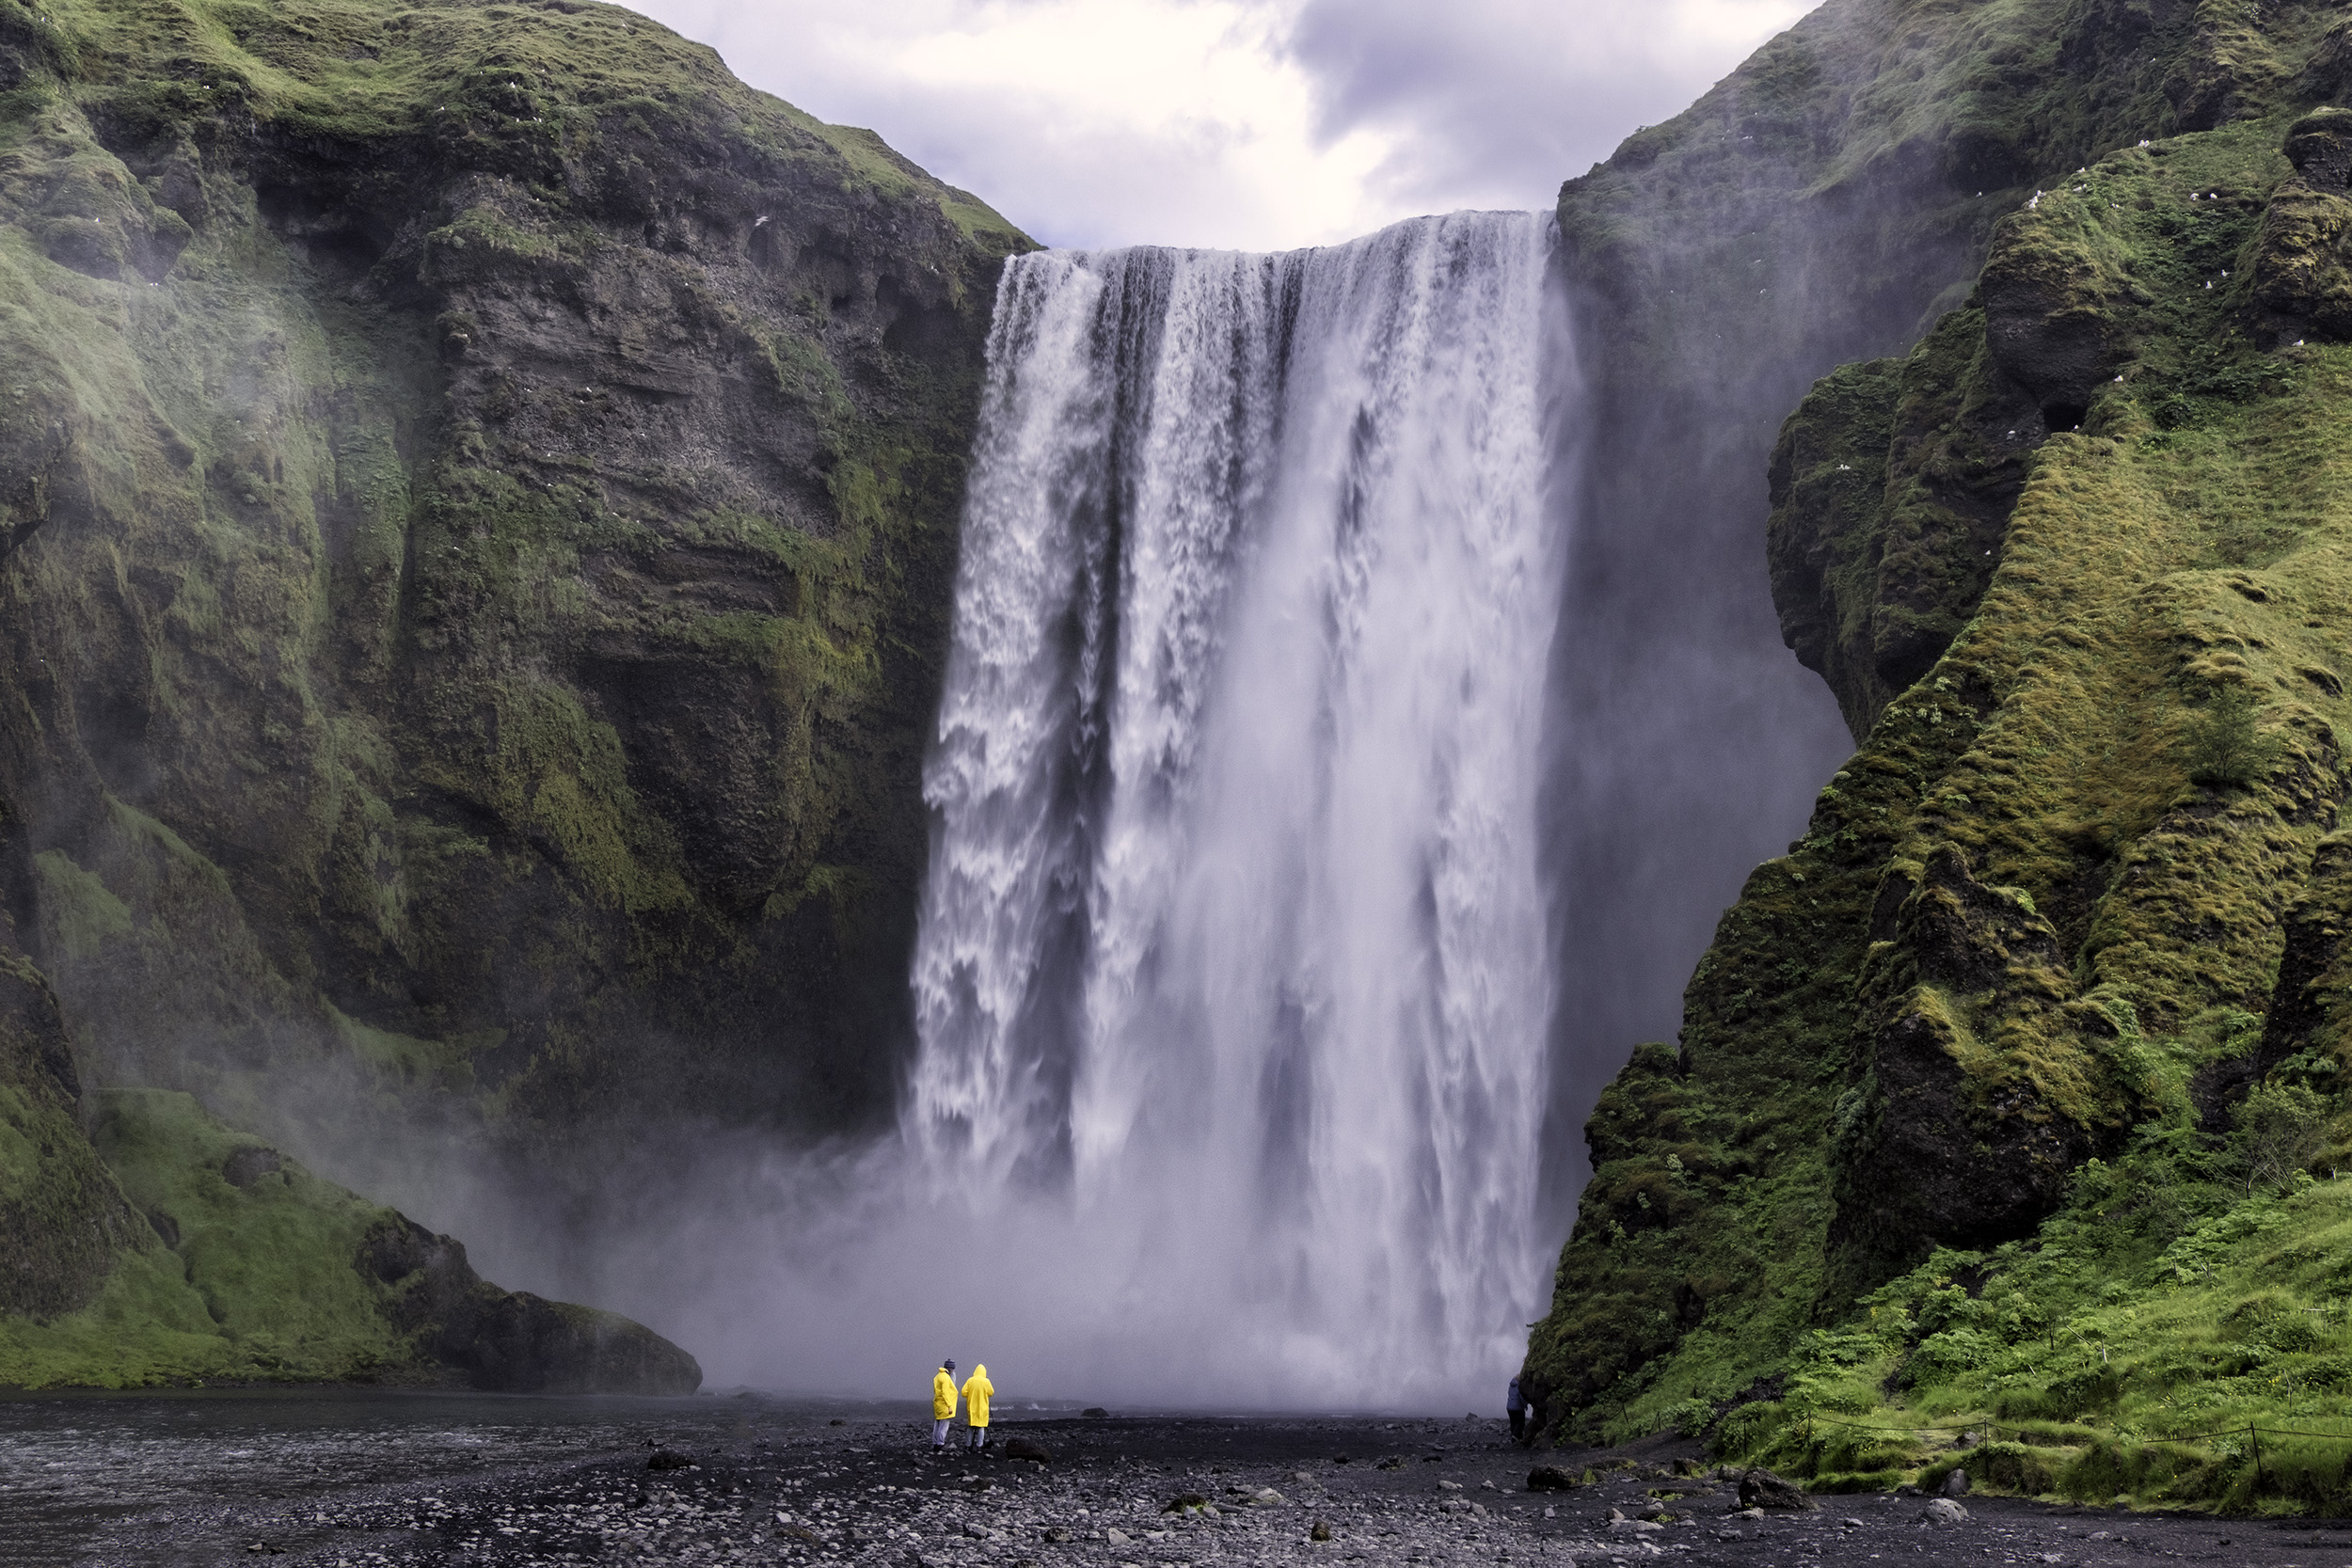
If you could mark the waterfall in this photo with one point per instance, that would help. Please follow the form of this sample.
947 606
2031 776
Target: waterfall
1232 949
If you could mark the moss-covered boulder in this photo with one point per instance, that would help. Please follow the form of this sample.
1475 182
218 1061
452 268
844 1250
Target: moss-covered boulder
248 1268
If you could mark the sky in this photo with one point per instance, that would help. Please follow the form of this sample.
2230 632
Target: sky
1245 124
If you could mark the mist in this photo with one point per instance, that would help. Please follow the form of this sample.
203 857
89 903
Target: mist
1232 982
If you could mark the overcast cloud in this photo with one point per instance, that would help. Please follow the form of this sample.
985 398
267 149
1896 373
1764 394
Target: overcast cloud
1260 124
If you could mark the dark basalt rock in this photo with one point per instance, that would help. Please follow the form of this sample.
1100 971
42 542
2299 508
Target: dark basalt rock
1954 1135
1764 1490
249 1164
1024 1448
512 1341
2303 259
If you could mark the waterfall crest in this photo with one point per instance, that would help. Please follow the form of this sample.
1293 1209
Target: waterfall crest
1232 948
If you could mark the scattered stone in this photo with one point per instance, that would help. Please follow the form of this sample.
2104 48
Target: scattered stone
1955 1485
669 1459
1449 1486
1021 1448
1392 1462
1322 1530
1095 1413
1057 1533
1551 1478
839 1422
1850 1524
1185 1502
1117 1537
1762 1489
1941 1510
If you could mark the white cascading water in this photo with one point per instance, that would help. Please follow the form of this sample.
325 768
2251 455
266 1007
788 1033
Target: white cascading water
1233 960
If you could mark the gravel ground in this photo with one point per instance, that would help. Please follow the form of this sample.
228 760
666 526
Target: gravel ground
775 1484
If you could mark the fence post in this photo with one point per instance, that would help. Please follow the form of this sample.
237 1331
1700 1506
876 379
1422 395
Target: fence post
2260 1479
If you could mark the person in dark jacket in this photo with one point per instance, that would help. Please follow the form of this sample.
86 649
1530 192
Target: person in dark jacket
1515 1404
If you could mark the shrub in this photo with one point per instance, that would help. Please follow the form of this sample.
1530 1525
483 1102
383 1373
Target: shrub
2011 1466
1747 1428
2225 748
2279 1128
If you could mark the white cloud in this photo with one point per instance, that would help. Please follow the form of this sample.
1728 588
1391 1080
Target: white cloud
1251 124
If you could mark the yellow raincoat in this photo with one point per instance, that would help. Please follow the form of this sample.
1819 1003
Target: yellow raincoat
977 1388
943 1396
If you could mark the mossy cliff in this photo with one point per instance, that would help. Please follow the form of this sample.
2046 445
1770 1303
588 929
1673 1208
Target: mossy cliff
1825 204
477 503
2003 1121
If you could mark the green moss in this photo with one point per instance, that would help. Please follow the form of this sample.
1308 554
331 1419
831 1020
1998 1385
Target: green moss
84 915
259 1282
2102 947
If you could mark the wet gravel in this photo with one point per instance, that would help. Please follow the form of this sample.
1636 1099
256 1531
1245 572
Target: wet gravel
363 1481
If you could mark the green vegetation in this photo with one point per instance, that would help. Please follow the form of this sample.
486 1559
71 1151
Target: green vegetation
2005 1118
2224 746
258 1282
243 1267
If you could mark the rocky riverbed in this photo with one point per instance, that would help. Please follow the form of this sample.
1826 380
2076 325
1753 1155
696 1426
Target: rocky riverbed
749 1480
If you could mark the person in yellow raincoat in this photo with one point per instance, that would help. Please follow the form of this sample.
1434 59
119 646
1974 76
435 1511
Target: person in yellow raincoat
942 1405
976 1391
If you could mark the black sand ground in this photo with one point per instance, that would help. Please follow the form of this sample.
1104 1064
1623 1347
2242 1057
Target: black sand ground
769 1483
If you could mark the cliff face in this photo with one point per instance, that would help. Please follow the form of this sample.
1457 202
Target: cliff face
1992 1125
477 503
1824 204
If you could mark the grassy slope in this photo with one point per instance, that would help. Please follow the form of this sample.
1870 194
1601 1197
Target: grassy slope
258 1283
245 1267
2021 961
